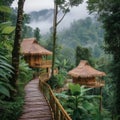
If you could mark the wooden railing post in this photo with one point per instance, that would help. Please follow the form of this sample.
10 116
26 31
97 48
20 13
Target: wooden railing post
57 116
61 116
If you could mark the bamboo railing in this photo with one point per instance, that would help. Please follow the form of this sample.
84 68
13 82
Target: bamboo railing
58 111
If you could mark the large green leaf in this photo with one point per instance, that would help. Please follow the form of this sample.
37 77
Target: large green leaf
5 9
8 30
7 85
62 95
87 105
7 65
2 57
5 24
75 89
83 89
89 97
3 76
5 68
4 91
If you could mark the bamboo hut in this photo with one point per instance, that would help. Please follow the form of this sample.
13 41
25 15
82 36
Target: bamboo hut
35 55
86 75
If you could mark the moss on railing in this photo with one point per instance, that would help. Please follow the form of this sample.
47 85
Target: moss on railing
58 111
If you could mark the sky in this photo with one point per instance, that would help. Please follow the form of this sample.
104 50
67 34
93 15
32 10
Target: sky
36 5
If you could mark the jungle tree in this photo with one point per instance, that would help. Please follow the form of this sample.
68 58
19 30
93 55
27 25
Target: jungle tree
37 33
82 54
57 3
64 7
16 47
109 13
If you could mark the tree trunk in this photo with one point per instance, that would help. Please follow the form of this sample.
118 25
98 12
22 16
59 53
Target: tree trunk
54 35
16 47
116 73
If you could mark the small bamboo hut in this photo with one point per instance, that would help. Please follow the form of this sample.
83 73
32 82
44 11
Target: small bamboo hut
86 75
35 55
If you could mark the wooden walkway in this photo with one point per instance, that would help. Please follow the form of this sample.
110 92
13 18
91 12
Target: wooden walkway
35 107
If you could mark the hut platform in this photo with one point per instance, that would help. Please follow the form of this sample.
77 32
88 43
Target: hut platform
35 106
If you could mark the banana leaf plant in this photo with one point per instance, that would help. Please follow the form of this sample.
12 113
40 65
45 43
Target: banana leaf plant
79 104
5 73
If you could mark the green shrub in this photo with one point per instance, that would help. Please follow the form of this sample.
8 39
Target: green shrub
25 73
80 105
58 80
11 110
5 74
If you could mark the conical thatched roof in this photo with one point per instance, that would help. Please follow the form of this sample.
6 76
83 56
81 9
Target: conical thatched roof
31 46
84 70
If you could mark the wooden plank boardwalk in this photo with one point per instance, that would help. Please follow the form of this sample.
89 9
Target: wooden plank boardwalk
36 106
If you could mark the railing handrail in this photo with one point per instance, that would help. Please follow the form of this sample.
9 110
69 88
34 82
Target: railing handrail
58 111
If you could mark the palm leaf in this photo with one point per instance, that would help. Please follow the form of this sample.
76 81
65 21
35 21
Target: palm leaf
4 91
2 57
3 76
6 69
8 30
7 65
7 85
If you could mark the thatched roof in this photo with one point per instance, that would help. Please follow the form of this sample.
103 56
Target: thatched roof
31 46
84 70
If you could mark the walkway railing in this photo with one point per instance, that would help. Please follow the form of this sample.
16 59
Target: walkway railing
58 111
44 77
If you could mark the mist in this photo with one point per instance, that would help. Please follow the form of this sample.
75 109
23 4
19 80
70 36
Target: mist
79 12
75 13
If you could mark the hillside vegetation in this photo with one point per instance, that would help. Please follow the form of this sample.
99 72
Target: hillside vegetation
86 33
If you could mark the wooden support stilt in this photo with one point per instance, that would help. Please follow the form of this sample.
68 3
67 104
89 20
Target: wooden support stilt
100 107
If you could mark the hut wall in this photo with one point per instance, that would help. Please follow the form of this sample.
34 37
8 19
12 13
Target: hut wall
36 60
84 81
90 81
33 60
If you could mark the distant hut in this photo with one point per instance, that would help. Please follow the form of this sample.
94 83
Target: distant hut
34 54
84 74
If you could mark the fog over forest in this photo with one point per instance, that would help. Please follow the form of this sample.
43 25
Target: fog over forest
44 23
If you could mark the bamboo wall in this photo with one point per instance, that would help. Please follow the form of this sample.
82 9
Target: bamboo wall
84 81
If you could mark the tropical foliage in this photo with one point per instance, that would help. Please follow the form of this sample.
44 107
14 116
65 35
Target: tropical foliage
10 109
5 67
81 105
109 14
86 33
83 54
5 74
